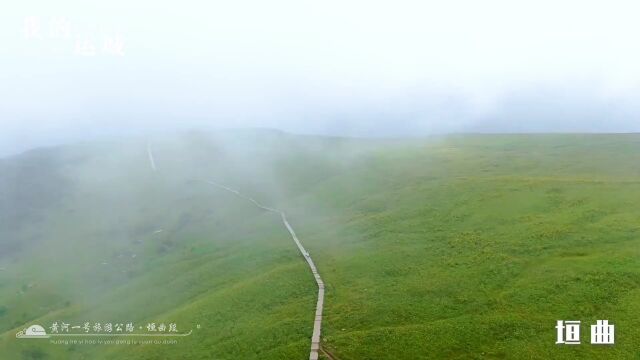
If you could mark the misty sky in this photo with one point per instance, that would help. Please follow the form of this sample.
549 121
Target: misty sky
75 69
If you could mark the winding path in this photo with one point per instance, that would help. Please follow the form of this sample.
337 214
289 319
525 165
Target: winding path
317 324
152 162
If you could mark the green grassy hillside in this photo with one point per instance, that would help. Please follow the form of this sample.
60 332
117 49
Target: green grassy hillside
457 247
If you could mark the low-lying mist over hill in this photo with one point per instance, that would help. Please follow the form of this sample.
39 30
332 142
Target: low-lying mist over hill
455 246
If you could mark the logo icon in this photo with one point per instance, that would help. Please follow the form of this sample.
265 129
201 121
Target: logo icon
32 332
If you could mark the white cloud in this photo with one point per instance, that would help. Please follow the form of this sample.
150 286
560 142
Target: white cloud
267 63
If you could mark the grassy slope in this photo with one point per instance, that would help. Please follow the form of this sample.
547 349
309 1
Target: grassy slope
216 264
466 247
474 246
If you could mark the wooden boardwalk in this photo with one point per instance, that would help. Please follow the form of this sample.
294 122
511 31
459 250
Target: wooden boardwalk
317 323
152 161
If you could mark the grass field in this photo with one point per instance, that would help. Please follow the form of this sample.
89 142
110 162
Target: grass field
457 247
